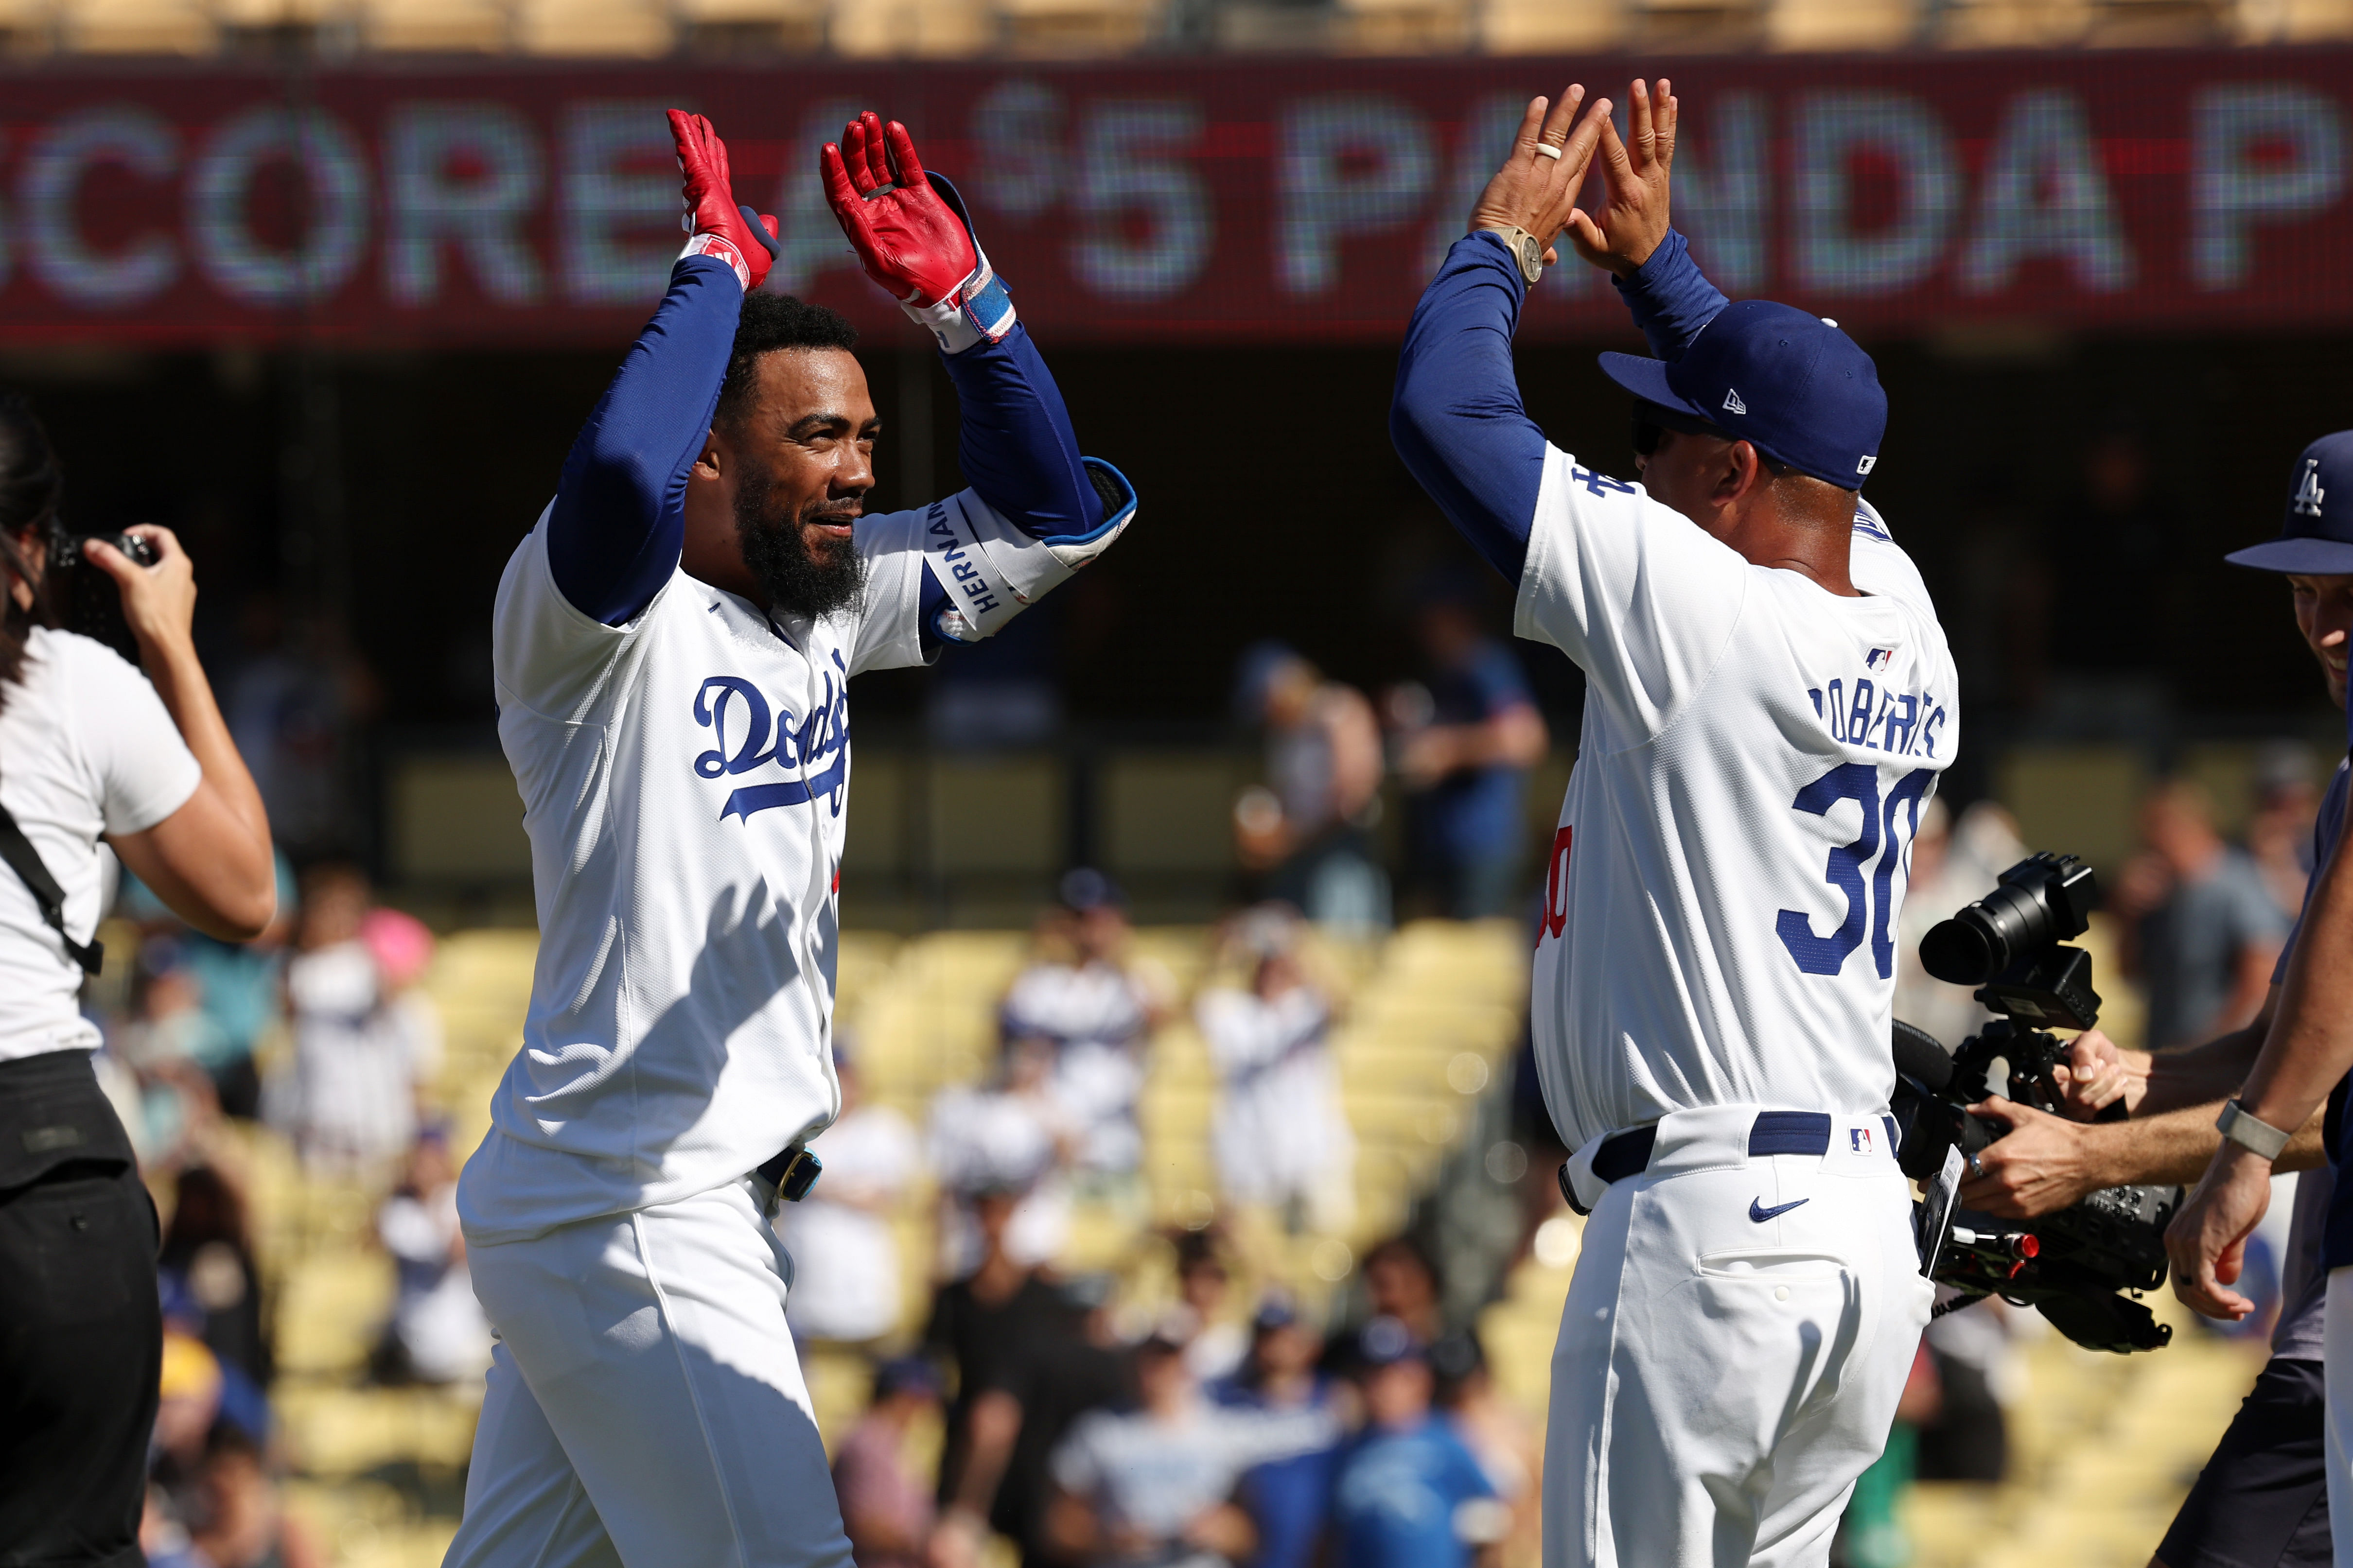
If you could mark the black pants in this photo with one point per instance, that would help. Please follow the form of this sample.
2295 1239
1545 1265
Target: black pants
82 1337
2263 1499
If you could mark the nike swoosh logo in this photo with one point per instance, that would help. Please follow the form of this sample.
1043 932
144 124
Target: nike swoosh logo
1760 1214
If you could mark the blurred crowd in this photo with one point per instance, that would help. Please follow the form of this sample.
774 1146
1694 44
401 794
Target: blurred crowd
318 1030
1460 741
1089 1423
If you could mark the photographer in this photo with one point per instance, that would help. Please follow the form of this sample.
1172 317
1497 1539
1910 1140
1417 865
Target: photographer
88 749
2263 1498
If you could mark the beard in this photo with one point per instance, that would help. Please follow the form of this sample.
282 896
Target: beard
806 577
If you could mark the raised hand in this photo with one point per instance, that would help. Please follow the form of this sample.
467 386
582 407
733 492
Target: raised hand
1537 188
910 233
743 238
909 239
1635 220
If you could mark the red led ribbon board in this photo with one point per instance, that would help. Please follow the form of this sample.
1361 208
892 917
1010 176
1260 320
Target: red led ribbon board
1213 201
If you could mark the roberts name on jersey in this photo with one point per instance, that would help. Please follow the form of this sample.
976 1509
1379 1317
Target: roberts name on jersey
1734 849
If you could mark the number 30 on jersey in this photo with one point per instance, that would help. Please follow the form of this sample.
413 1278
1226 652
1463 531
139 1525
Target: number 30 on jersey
1869 888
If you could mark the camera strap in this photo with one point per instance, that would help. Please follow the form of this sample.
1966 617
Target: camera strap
26 861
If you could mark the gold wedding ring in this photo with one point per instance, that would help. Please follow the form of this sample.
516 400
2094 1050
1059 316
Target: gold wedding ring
1548 150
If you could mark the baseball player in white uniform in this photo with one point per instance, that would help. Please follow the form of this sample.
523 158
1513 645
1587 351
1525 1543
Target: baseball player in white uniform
671 644
1770 701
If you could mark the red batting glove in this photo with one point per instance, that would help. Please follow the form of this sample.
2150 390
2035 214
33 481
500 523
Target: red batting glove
908 237
741 237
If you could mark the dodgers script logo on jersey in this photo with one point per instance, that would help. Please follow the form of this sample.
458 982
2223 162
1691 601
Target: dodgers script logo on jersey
825 733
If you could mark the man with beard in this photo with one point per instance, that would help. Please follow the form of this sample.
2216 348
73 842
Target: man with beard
672 645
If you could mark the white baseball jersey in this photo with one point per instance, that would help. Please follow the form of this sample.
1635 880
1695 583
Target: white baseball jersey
683 778
1722 896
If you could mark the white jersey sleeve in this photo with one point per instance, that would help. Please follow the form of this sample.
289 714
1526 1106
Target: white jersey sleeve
887 636
547 655
1636 593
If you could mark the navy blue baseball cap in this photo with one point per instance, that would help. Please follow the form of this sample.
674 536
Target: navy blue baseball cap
1792 385
2316 538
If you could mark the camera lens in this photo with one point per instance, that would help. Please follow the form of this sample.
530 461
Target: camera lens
1986 938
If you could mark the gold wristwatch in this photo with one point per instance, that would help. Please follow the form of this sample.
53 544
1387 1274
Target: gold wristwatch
1525 250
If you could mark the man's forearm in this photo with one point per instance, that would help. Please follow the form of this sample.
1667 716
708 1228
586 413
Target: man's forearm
1670 298
1016 445
1457 419
2174 1146
2309 1046
2205 1074
615 530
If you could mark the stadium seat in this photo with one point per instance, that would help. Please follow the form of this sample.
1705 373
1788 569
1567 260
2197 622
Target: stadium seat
1696 25
2010 23
1076 27
436 27
912 28
617 27
1827 24
1404 27
2289 21
1546 28
138 26
331 1304
28 27
2137 24
724 28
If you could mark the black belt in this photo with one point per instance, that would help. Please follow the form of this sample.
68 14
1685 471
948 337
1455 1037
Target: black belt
1627 1153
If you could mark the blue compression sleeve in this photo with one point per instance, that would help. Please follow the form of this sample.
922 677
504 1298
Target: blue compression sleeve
1017 446
1670 298
1456 419
619 518
1018 451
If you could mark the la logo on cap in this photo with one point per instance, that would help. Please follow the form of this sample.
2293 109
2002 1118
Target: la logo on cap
2309 495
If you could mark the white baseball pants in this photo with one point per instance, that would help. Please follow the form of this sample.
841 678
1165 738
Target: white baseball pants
1737 1334
645 1407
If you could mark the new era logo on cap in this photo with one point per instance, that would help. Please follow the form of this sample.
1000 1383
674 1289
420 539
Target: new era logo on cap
1731 403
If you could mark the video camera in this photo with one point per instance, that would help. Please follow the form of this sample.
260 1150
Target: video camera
2071 1265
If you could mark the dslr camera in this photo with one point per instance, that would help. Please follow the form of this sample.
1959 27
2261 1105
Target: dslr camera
2082 1266
86 600
64 546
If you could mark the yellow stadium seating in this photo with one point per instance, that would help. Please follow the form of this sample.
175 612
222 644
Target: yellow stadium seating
607 27
1074 26
138 26
1544 28
1842 24
436 27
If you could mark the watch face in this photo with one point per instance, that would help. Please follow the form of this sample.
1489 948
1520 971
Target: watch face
1531 258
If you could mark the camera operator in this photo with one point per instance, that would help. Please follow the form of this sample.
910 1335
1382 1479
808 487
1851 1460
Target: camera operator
88 749
2263 1498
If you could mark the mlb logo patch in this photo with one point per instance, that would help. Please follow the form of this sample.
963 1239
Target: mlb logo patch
1859 1140
1877 657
